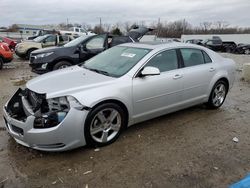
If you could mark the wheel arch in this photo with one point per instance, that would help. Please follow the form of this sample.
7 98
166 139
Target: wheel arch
33 48
225 80
215 80
118 102
51 65
220 75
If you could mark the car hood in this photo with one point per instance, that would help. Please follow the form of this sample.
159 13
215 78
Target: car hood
67 81
45 50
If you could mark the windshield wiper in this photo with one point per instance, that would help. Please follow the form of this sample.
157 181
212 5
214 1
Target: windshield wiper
98 71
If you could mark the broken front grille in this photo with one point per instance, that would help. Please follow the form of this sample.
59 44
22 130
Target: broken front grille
36 100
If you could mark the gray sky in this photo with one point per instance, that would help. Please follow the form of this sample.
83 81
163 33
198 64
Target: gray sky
236 12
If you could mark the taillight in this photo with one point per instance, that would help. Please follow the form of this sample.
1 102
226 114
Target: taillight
5 47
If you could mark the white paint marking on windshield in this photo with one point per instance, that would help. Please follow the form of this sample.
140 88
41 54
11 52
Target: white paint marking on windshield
128 55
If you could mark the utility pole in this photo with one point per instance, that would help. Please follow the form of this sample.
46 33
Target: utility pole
158 27
100 22
183 25
67 23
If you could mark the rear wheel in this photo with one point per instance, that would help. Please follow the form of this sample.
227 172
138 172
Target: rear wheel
104 124
228 49
1 63
218 94
61 65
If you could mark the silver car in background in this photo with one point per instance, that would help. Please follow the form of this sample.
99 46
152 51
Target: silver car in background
93 102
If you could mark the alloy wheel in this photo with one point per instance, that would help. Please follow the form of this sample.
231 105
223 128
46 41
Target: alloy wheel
219 94
105 125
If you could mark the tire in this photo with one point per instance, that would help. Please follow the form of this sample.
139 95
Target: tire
228 49
104 124
27 57
247 51
61 65
1 63
217 95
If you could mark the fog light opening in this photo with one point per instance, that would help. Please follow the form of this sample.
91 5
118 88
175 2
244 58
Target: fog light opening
48 121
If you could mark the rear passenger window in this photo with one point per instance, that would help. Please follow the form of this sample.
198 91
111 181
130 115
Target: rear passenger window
164 61
206 57
192 57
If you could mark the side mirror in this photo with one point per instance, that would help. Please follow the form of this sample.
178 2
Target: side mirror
82 48
150 71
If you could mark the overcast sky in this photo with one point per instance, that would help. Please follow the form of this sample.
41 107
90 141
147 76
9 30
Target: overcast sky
236 12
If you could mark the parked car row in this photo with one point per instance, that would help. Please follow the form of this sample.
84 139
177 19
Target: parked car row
79 50
216 44
66 50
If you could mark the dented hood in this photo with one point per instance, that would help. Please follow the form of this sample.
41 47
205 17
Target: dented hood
67 81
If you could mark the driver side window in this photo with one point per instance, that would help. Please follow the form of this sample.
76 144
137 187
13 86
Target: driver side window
50 39
96 43
164 61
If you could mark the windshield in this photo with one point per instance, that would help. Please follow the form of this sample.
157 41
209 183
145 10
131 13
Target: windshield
76 41
39 39
116 61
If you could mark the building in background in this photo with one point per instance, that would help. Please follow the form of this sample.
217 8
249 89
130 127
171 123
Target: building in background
32 29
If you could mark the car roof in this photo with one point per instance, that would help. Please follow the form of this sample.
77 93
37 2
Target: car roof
160 45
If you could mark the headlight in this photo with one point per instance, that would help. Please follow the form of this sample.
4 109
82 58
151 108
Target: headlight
44 55
64 103
58 108
19 46
74 103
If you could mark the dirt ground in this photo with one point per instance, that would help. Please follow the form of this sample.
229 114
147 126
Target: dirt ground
191 148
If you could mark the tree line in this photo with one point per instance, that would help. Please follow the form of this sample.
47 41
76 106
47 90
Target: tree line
169 29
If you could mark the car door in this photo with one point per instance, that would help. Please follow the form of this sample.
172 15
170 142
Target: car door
93 46
155 95
49 41
197 73
62 39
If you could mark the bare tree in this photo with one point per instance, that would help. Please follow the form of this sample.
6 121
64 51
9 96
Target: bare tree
205 26
219 26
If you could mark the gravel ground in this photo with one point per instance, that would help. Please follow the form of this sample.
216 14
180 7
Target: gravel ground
190 148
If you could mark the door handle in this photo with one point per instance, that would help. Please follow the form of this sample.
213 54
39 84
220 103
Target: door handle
177 76
211 69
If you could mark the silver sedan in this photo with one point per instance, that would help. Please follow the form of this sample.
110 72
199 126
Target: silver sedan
91 103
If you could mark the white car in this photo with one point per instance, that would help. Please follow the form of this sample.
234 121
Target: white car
92 103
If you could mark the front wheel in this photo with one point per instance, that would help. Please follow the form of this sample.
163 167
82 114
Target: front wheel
61 65
218 94
104 124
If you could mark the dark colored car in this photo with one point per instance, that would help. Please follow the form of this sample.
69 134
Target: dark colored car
242 49
216 44
195 41
79 50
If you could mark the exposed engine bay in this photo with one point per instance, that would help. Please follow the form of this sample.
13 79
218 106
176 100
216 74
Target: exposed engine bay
47 112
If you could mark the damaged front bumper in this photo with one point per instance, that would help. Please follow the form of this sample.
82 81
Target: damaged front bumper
20 118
